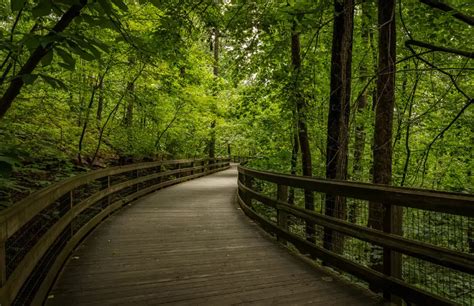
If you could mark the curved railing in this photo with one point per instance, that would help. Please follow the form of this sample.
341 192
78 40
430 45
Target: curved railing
436 242
38 233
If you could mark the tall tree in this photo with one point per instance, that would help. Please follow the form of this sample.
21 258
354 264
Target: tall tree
361 103
382 171
215 49
338 115
301 113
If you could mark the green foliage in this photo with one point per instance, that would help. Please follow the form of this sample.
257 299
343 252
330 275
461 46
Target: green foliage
132 80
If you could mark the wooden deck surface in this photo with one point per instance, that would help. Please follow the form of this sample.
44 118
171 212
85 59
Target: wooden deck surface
190 244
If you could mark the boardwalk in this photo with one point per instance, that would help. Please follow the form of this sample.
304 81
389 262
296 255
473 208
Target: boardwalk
191 244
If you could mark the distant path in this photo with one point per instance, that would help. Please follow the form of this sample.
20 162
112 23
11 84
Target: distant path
190 244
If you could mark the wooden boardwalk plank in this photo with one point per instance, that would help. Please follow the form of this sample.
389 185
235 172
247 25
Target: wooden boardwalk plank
190 244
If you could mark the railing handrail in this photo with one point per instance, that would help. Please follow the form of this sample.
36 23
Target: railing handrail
441 201
20 214
446 202
38 200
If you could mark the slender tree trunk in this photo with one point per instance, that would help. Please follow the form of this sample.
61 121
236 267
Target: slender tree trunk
95 87
359 141
301 113
130 97
360 133
294 158
216 52
17 82
408 130
130 104
100 103
391 220
128 120
338 116
84 127
212 140
114 110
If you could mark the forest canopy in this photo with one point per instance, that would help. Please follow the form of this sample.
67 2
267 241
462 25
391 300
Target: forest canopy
295 84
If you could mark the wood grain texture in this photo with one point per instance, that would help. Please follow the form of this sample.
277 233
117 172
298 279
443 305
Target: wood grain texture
190 244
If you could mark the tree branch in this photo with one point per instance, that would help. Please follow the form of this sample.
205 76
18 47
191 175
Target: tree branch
446 8
412 42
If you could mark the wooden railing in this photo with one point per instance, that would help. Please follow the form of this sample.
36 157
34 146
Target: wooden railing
270 208
38 233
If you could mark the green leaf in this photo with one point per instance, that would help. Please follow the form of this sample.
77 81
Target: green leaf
42 9
53 82
29 78
17 5
82 53
106 6
66 66
85 45
5 169
47 59
120 4
69 61
104 47
31 41
156 3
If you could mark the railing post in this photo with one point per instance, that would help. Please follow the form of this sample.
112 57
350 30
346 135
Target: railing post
109 197
159 171
248 181
192 167
282 216
392 261
71 203
178 168
3 263
137 176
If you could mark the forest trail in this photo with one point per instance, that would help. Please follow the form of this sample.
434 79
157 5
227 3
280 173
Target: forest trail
191 244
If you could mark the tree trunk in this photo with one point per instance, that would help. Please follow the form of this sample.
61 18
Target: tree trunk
391 220
85 124
130 103
212 140
362 101
294 158
100 103
216 52
338 116
301 113
95 87
130 97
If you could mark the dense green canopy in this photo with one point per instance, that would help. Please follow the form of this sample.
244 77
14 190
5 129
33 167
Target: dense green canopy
130 80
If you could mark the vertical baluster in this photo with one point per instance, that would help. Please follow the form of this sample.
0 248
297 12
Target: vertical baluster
109 197
3 262
392 261
71 203
159 171
138 184
192 166
248 181
282 216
